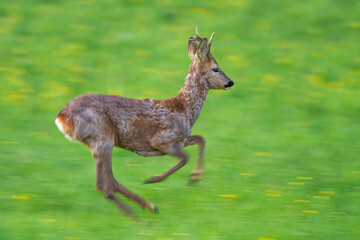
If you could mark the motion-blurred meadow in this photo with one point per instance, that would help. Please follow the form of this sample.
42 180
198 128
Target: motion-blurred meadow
283 149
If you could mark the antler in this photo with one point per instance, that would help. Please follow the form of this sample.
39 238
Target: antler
210 40
197 37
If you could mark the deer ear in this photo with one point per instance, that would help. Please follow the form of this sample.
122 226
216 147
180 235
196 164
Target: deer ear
192 48
203 50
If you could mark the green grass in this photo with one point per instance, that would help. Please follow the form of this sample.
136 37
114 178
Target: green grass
294 112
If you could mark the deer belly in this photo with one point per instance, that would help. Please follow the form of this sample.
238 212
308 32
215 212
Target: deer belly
149 153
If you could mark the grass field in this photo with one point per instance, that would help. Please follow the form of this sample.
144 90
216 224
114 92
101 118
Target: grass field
283 150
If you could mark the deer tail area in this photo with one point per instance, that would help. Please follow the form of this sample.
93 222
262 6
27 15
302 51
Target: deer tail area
64 125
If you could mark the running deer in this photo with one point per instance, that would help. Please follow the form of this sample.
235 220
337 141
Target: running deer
147 127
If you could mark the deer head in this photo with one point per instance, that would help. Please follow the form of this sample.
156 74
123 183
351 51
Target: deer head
204 64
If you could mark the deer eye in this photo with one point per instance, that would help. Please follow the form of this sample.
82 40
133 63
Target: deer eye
215 69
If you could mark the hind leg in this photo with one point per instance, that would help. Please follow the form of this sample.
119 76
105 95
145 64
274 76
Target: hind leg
106 182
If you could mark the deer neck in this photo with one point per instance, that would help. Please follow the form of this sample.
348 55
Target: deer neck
193 95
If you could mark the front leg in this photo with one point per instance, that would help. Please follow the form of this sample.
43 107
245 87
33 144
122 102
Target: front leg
197 173
173 149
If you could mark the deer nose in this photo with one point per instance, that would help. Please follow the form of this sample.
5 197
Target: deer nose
229 84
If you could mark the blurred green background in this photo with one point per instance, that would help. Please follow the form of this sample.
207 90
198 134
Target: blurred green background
282 154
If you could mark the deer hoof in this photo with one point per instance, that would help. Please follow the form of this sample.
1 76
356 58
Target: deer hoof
153 179
156 210
152 208
195 177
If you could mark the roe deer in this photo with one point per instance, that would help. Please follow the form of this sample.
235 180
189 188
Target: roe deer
147 127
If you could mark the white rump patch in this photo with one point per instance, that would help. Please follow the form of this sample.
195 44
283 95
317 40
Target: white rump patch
58 124
61 128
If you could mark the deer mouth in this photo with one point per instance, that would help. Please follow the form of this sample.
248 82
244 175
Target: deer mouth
229 85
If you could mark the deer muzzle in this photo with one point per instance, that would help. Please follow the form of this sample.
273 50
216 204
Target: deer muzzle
229 85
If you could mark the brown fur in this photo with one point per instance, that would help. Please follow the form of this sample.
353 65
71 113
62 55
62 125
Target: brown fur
173 104
144 126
